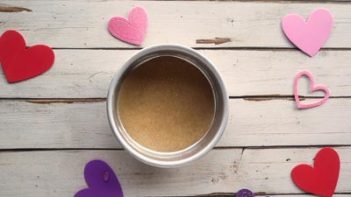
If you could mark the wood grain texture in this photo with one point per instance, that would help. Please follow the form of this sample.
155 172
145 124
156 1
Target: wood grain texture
60 173
251 123
87 73
65 107
82 24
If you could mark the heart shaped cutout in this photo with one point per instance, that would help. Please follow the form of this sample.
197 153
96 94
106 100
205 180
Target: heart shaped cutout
309 36
244 193
20 63
322 178
313 88
131 30
101 181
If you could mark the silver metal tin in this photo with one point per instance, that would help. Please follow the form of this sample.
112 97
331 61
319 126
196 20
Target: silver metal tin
202 146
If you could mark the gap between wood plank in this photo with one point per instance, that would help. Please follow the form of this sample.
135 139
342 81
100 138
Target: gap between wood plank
209 48
258 194
268 1
96 100
243 148
272 1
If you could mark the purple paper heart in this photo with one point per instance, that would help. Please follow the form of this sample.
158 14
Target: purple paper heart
244 193
101 181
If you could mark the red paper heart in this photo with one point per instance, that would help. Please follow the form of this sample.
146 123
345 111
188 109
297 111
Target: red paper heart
321 179
20 63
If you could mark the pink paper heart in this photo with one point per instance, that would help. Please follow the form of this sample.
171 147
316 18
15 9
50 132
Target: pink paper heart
131 30
309 36
313 88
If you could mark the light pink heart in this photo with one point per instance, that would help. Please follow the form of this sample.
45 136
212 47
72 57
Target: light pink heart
131 30
309 36
313 88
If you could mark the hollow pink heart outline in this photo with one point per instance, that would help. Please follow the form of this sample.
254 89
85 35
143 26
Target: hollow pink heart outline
313 88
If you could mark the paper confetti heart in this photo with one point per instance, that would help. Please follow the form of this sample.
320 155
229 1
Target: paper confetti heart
322 178
313 88
101 181
20 63
244 193
309 36
131 30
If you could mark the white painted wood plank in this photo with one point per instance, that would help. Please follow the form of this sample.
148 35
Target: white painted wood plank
87 73
251 123
82 24
45 173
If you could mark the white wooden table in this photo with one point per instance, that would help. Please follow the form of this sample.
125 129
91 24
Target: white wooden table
52 125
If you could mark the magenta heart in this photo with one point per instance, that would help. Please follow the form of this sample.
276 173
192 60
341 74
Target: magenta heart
309 36
101 181
132 30
313 88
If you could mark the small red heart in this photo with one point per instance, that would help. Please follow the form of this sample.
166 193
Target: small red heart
321 179
20 63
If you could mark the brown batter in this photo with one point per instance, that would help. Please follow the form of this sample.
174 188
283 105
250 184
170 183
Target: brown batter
166 104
